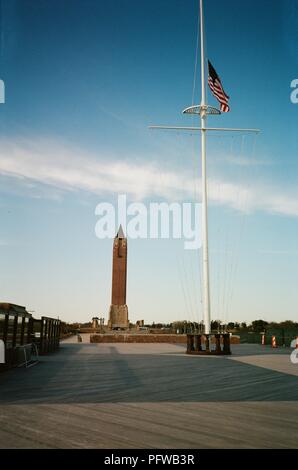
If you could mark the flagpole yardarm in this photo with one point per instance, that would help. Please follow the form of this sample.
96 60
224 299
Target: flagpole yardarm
207 129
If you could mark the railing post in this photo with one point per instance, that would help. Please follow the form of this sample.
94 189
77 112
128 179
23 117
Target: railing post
22 331
41 335
15 327
30 331
5 333
199 343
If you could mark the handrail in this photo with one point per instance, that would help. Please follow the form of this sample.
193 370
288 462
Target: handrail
29 363
36 351
25 355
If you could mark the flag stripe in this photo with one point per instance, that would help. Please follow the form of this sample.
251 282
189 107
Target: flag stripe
217 90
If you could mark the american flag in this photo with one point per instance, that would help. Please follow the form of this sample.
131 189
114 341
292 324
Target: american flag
217 89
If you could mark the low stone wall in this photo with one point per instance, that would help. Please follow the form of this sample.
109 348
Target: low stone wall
88 330
146 338
138 338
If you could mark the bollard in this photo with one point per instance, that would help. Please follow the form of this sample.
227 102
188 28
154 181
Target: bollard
217 341
190 343
207 343
199 343
195 344
263 340
274 342
226 343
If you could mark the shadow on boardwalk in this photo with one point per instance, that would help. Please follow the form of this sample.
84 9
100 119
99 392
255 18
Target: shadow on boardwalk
92 373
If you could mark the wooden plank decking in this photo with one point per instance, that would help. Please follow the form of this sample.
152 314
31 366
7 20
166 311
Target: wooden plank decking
151 396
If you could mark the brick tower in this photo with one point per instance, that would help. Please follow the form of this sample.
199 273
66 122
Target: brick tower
118 315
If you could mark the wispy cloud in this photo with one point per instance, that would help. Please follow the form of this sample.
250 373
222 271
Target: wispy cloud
64 167
245 161
279 252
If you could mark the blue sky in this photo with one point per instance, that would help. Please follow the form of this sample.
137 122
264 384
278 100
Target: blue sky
83 81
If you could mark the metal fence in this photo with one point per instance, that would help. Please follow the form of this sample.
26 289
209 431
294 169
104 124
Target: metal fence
283 336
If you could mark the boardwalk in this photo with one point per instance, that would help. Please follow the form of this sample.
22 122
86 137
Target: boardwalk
151 396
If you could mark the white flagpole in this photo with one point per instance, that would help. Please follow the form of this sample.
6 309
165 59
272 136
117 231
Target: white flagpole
205 251
203 110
